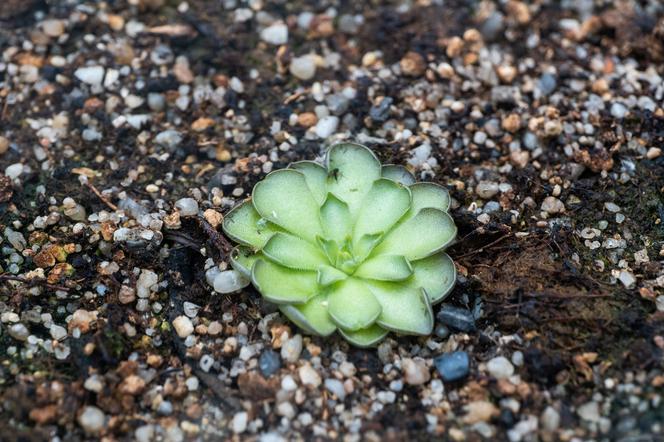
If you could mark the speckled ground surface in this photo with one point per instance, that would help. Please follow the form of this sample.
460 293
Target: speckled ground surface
544 119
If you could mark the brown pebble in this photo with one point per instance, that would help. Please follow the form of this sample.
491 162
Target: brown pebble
307 119
412 64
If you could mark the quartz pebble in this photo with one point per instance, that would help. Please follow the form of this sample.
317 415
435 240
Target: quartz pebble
92 419
92 75
183 326
187 206
291 349
415 371
500 367
229 281
276 34
309 376
303 67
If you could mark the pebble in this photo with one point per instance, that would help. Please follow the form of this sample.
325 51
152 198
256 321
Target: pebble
92 75
4 145
276 34
146 280
500 367
627 278
487 189
415 371
58 332
612 207
19 332
457 318
552 205
92 419
442 331
303 67
183 326
170 139
452 366
13 171
547 84
336 387
380 112
618 110
309 376
239 424
144 433
326 126
589 411
550 419
269 363
93 383
187 206
479 411
291 349
53 27
229 281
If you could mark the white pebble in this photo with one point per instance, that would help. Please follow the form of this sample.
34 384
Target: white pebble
229 281
303 67
92 75
326 126
276 34
92 419
183 326
187 206
239 424
500 367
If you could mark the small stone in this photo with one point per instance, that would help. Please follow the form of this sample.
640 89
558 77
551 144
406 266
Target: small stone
276 34
303 67
452 366
412 64
309 376
144 433
307 119
326 126
653 152
511 123
53 27
19 332
547 84
170 139
58 332
239 424
92 419
479 411
457 318
336 387
380 112
187 206
500 367
92 75
93 383
487 189
612 207
4 145
269 363
552 205
14 171
589 411
627 278
146 280
442 331
183 326
618 110
550 419
291 349
415 371
229 281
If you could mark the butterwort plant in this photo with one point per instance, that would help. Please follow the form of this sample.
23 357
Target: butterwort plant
350 246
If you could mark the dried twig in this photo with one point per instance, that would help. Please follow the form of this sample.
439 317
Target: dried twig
101 197
32 282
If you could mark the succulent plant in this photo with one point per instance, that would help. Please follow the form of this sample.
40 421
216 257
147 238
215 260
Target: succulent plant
350 246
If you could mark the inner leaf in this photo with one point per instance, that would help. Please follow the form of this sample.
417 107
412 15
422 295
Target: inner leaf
335 218
383 206
385 268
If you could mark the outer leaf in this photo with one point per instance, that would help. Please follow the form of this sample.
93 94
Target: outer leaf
328 275
316 176
293 252
420 236
335 218
385 268
312 316
351 305
404 309
283 285
367 337
429 195
398 173
243 259
435 274
383 206
352 169
244 225
284 198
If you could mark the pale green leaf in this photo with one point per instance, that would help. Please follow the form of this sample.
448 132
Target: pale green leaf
316 176
284 198
351 305
385 268
428 195
403 309
283 285
328 275
428 232
311 316
293 252
398 173
366 244
243 259
244 225
335 218
367 337
384 205
436 274
352 169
